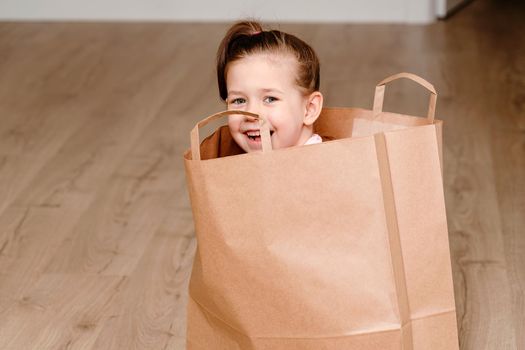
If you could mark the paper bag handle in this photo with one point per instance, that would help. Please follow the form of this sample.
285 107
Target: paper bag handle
380 93
195 140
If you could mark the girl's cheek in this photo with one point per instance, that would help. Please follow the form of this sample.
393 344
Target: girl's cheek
271 121
234 122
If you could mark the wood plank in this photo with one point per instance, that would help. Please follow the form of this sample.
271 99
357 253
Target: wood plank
128 209
507 117
152 309
81 164
60 311
509 167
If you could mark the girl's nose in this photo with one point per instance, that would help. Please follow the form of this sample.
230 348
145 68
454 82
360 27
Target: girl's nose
253 108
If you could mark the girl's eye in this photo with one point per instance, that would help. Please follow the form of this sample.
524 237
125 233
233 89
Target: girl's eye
238 101
270 99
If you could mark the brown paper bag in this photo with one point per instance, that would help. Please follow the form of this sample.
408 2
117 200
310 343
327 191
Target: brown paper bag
338 245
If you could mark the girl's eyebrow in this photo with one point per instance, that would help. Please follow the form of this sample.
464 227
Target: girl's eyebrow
272 90
266 90
234 92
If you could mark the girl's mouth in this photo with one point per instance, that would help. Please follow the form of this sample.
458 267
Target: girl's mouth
255 135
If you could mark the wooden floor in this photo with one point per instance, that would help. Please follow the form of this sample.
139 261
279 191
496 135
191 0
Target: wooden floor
96 231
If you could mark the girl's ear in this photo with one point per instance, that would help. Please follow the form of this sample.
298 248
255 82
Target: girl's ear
314 105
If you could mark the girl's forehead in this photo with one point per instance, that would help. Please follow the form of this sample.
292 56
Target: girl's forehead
277 68
273 58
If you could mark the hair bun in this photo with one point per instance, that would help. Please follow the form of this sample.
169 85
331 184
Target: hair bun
247 28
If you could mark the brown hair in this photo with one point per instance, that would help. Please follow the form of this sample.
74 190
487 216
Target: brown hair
248 37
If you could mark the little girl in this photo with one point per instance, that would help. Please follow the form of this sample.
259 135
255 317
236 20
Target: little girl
275 75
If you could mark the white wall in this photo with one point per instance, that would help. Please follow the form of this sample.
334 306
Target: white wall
401 11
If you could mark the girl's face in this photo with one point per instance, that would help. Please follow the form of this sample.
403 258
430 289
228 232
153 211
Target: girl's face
265 84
